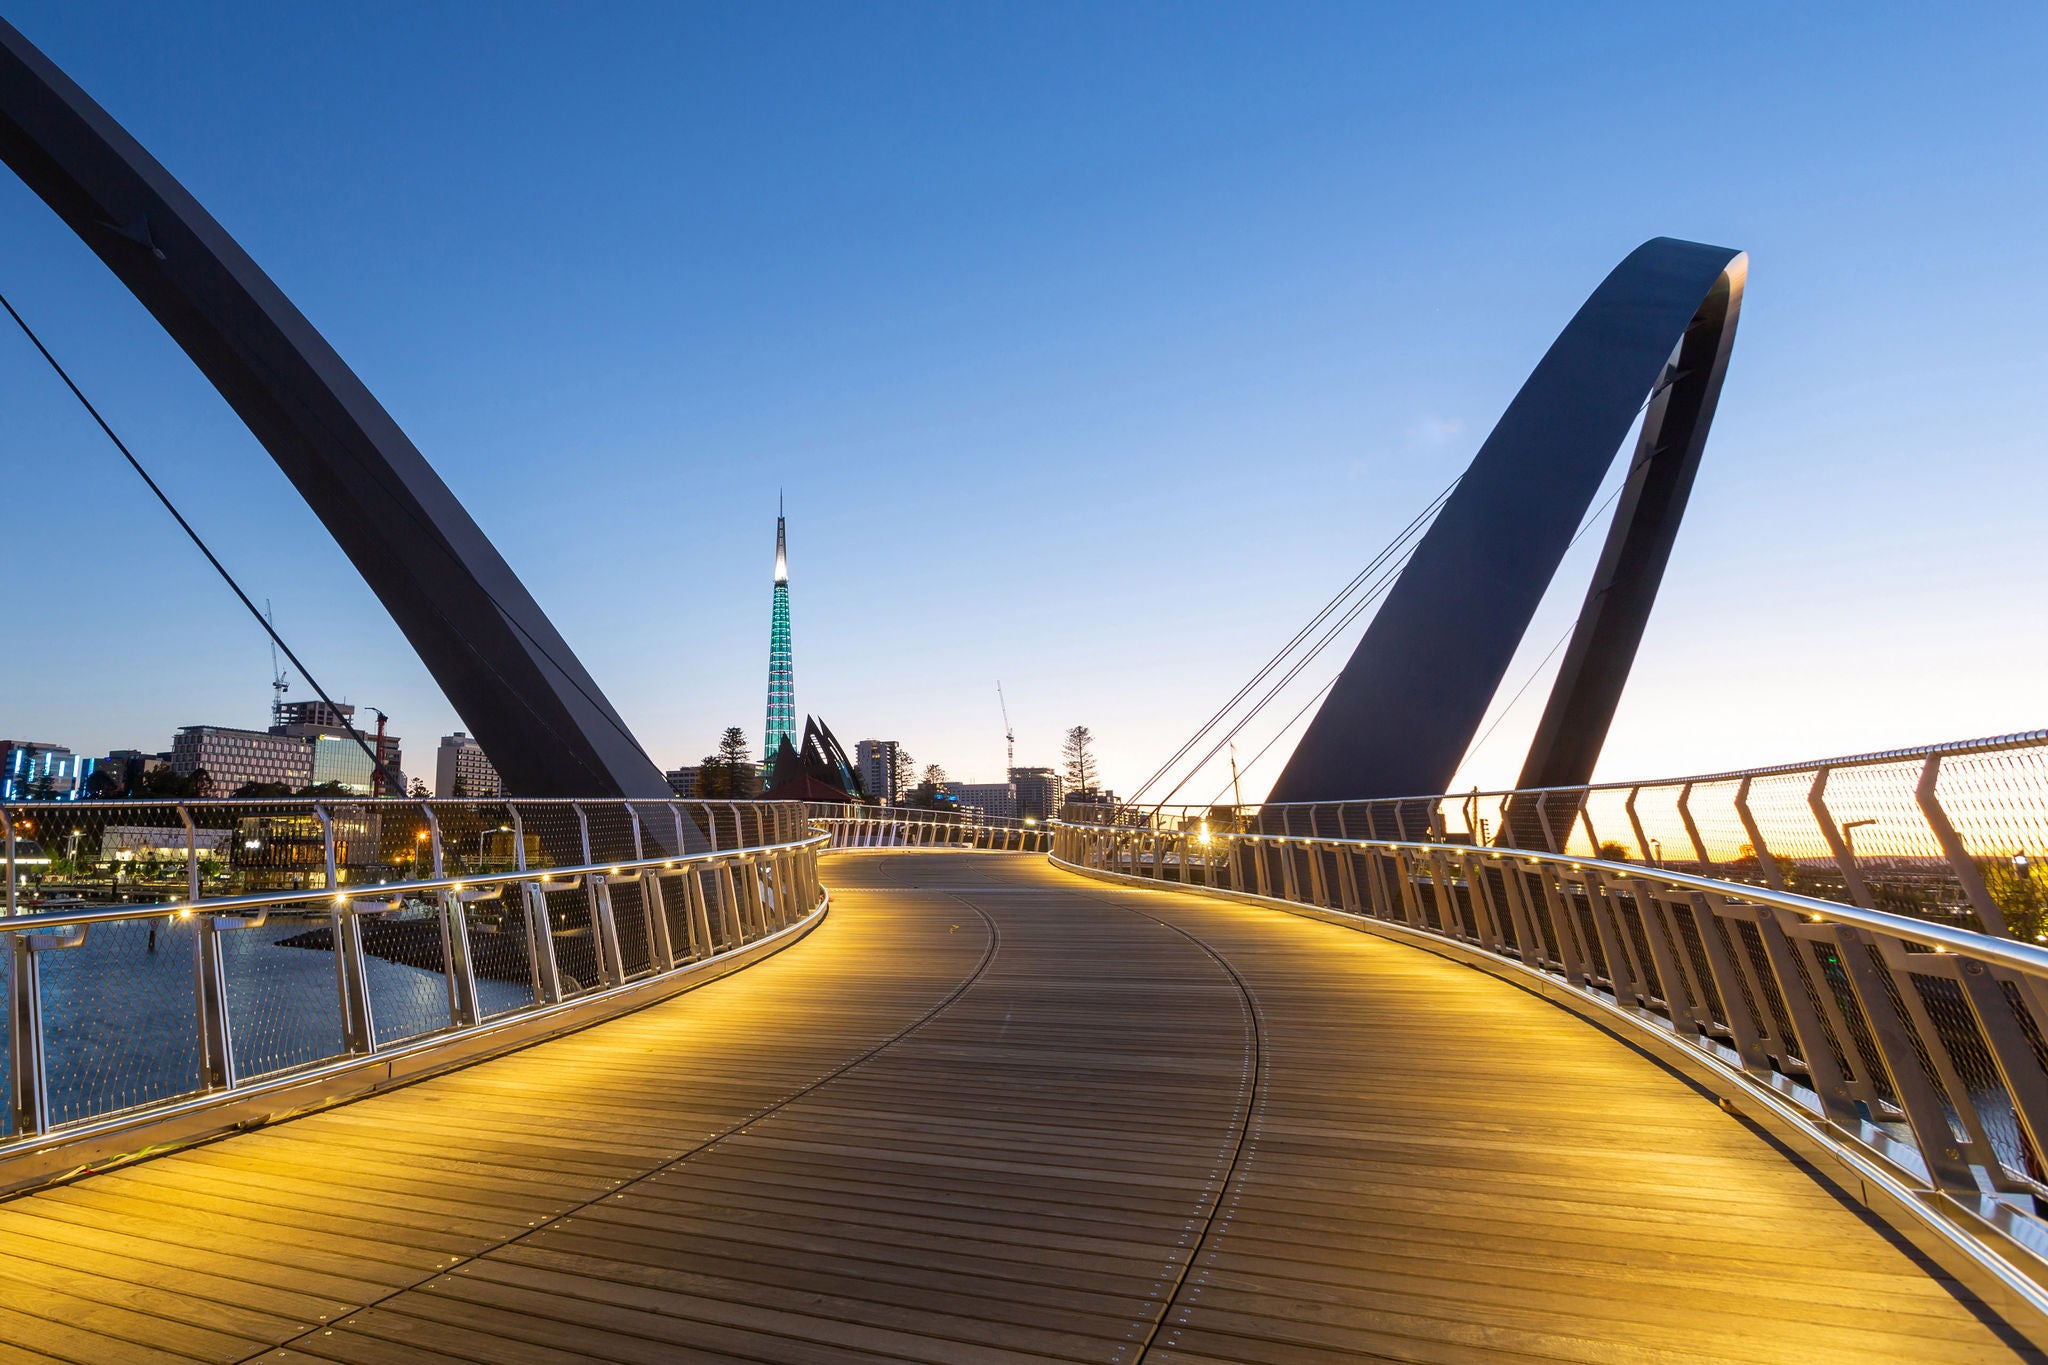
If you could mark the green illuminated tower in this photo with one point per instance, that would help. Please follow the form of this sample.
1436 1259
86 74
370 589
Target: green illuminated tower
781 672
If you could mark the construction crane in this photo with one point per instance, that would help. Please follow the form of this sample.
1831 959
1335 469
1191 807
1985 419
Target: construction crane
1009 734
279 683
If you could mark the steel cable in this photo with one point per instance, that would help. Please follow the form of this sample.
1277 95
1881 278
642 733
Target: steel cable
376 760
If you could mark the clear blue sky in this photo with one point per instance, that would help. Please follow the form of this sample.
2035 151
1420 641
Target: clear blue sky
1094 345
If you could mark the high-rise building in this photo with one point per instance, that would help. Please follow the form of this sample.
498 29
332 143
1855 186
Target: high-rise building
875 760
781 670
462 769
31 770
1039 792
341 753
996 800
233 758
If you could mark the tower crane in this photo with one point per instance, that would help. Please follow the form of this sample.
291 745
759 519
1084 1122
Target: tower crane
1009 734
279 684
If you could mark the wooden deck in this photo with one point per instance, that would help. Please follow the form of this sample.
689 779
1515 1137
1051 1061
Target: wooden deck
990 1113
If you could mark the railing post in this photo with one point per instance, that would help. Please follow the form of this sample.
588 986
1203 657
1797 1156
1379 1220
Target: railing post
540 944
28 1098
7 819
192 854
358 1027
216 1035
1635 822
1749 1044
1852 875
1528 932
1988 910
464 1009
728 900
652 903
700 913
1543 822
2026 1085
1828 1081
1674 982
611 958
1692 831
1915 1093
1765 863
209 971
597 899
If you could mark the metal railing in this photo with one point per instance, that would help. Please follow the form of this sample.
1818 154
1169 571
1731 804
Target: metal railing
879 827
1950 833
1919 1046
263 944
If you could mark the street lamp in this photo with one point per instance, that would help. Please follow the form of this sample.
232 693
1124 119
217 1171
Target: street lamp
1849 835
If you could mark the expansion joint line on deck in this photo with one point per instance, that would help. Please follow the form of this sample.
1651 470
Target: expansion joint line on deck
620 1188
1212 1221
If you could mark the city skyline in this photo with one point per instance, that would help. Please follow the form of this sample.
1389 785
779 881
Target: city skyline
964 425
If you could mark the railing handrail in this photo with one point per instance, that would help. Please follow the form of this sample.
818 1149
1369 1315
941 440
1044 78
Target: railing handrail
2019 739
2019 956
409 802
39 921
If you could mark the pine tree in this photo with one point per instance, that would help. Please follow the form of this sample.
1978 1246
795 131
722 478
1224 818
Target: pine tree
1080 771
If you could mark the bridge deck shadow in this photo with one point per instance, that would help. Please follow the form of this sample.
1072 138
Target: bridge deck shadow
989 1112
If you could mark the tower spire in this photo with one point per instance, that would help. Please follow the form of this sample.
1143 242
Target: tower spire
781 669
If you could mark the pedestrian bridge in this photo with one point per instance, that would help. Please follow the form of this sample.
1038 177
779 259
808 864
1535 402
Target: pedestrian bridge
987 1107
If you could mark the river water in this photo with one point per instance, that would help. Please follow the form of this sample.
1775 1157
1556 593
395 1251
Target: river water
120 1011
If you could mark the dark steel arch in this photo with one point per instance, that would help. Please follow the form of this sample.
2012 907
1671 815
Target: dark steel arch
502 664
1409 701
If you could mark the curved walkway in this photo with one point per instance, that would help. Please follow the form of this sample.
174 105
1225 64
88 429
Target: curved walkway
989 1112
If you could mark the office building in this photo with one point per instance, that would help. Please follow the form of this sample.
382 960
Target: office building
234 758
341 752
1039 792
32 770
682 781
875 761
462 769
995 800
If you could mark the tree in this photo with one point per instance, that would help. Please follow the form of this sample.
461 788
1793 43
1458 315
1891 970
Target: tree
929 794
418 791
1081 772
903 776
249 791
327 789
725 775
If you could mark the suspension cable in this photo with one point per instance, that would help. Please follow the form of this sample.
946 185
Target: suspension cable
1586 525
1335 603
376 760
1371 597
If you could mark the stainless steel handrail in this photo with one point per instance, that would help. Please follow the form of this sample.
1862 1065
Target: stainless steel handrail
857 828
1948 832
366 892
108 1038
1914 1051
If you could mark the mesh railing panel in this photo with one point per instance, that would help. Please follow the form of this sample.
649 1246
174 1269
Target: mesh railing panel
284 1008
119 1029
